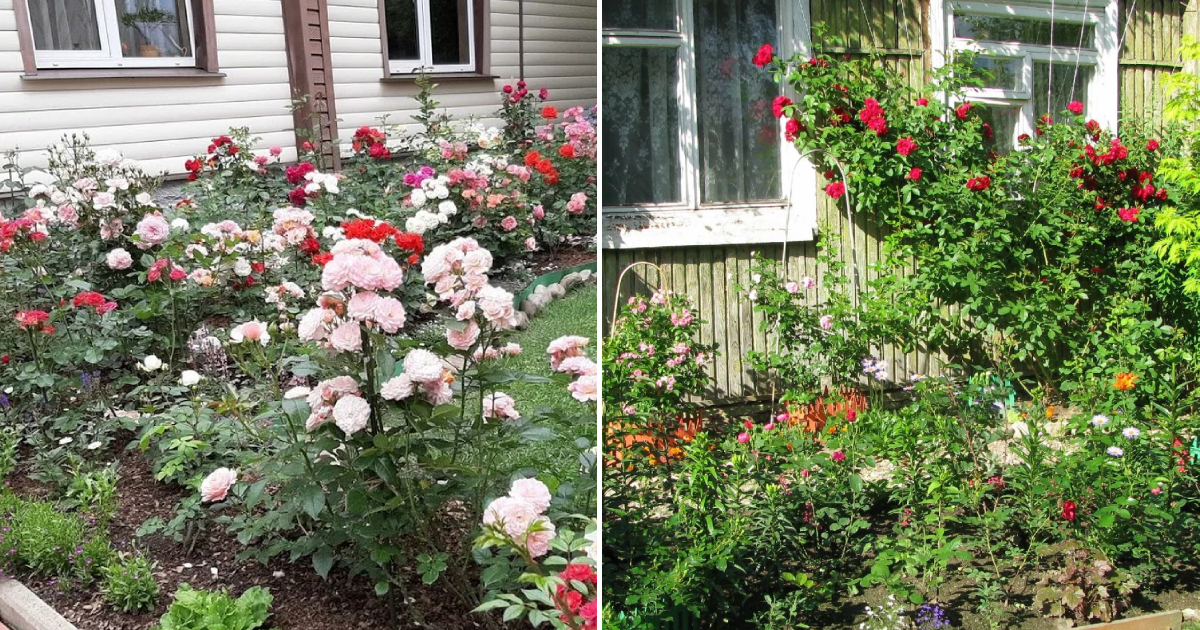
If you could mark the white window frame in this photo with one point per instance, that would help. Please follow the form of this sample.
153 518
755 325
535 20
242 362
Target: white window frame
688 221
425 45
109 55
1102 58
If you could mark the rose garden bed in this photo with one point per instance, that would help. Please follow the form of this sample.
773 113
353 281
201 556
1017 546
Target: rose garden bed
299 398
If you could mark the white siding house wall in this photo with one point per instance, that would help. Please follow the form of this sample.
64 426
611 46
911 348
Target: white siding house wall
159 122
560 54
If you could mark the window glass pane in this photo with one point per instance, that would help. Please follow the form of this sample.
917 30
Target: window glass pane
999 72
1003 121
739 137
1053 90
641 126
153 28
448 21
401 17
658 15
1010 29
64 24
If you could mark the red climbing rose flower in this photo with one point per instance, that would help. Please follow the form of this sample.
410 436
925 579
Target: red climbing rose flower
1068 510
764 56
962 110
906 145
1075 107
835 189
914 175
778 104
1129 214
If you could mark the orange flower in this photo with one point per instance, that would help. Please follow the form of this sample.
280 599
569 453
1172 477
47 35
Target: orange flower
1125 381
1050 412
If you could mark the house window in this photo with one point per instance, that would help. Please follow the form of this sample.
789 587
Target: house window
111 33
1035 58
430 35
687 115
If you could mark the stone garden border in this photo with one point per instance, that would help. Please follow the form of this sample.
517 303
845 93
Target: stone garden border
1170 620
552 286
22 609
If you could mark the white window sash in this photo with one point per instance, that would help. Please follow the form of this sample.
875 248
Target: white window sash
425 45
691 222
1103 92
109 55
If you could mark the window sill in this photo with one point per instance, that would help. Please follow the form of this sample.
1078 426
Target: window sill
440 76
121 73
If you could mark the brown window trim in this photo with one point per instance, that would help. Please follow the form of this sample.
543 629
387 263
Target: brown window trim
483 47
204 26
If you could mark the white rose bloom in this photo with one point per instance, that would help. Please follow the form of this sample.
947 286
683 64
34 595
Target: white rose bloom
180 224
188 378
242 267
150 363
333 233
417 198
448 208
145 198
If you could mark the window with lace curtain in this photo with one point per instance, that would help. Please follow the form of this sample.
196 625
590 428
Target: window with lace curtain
430 35
111 33
1035 58
687 121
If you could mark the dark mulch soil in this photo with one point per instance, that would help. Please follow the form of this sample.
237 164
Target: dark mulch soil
302 599
542 262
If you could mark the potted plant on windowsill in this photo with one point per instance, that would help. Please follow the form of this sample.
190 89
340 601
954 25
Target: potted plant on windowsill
147 20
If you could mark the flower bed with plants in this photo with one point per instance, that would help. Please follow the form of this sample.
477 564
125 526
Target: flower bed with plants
1047 477
305 381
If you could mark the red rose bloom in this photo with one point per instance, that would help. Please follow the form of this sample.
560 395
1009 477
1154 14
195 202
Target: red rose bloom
379 151
322 258
978 184
764 56
906 145
987 132
922 102
1075 107
532 158
792 129
1129 215
549 112
914 175
295 173
1152 145
778 104
310 246
298 197
1068 510
410 242
878 125
835 189
567 151
962 110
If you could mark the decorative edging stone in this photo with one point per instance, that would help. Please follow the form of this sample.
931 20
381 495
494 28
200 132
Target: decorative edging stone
550 287
22 609
1170 620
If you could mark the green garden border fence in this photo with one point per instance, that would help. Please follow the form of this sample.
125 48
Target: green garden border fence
550 278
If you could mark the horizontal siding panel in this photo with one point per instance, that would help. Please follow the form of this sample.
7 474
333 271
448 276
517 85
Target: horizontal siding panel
345 11
263 78
56 100
126 134
29 121
272 24
249 8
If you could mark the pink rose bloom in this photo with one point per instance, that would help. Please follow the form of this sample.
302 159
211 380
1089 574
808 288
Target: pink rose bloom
276 151
500 405
437 392
351 414
512 516
743 437
508 223
792 287
465 338
539 212
531 244
838 456
390 315
466 311
479 261
827 322
422 366
577 204
532 491
397 388
496 305
253 330
318 417
362 305
564 347
216 485
585 389
177 274
312 326
118 259
577 366
346 337
153 229
808 283
538 543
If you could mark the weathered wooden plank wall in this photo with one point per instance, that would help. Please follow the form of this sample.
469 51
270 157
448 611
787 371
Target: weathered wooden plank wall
710 275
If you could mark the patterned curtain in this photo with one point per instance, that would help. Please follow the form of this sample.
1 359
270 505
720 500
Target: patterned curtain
641 126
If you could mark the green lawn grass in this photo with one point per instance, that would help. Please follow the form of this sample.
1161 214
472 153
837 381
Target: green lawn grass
574 314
